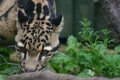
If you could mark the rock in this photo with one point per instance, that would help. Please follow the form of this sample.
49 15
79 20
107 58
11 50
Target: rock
51 76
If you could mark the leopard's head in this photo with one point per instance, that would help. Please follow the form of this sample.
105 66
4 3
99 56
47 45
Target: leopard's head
38 33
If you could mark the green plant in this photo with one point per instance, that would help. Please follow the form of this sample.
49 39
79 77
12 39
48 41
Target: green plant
87 34
2 77
5 51
106 39
6 66
90 57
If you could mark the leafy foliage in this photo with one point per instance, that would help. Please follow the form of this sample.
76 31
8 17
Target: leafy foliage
90 57
6 66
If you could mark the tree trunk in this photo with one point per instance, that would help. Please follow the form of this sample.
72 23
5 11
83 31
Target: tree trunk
51 76
111 9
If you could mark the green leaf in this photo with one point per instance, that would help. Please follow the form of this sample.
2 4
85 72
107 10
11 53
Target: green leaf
85 22
84 74
5 51
70 66
61 58
117 48
2 77
72 43
113 59
101 48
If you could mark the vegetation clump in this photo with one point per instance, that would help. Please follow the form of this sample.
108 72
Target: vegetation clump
90 56
6 66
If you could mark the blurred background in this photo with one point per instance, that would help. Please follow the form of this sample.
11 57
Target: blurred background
75 10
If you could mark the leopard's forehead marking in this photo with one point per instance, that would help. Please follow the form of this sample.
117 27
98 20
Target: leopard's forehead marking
38 28
41 12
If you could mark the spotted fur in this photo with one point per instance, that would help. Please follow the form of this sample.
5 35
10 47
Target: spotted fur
38 33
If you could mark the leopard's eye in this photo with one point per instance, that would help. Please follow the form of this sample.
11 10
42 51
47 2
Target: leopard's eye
47 53
44 52
21 49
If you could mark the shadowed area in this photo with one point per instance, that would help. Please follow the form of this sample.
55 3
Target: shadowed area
1 1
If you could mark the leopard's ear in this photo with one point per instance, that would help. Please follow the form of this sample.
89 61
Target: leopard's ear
22 17
21 14
57 21
57 24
